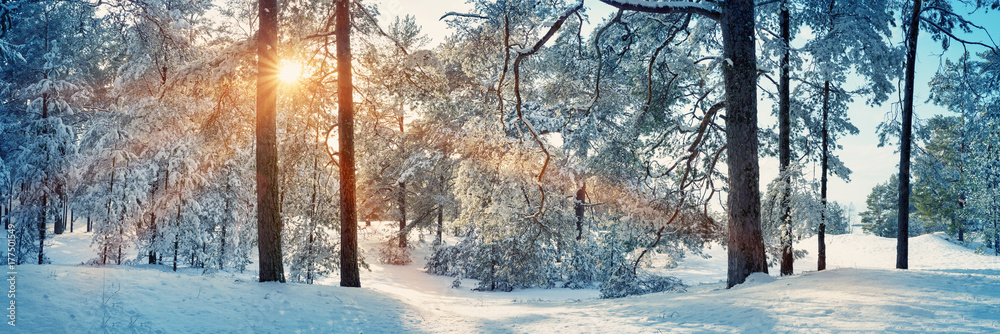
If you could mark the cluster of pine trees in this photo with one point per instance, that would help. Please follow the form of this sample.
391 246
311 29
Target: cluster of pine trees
553 155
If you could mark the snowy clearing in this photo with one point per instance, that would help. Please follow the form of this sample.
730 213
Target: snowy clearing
949 289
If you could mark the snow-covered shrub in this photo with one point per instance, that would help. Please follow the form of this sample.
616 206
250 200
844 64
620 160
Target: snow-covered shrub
389 252
500 265
627 283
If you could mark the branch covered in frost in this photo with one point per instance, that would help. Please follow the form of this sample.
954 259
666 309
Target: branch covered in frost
475 16
704 8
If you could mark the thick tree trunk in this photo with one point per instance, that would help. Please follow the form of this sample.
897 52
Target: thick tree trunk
349 273
784 145
90 226
824 161
268 207
746 244
903 207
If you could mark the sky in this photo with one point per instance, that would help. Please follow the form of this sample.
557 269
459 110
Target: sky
871 165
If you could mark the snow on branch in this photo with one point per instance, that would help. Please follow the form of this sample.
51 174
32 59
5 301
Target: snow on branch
705 8
475 16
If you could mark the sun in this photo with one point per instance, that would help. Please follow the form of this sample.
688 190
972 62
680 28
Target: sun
289 71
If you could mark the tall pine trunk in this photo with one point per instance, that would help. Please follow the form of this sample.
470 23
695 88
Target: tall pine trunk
402 185
349 273
177 230
903 207
824 161
784 145
41 229
746 243
268 207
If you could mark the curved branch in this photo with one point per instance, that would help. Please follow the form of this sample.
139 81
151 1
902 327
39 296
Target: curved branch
993 49
522 54
706 9
469 15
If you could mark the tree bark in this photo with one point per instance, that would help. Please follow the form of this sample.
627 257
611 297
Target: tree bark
581 197
402 214
824 161
111 191
177 231
746 245
349 273
268 207
152 239
903 209
784 145
440 225
41 228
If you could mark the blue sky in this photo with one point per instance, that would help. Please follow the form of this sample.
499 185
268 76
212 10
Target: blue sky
871 164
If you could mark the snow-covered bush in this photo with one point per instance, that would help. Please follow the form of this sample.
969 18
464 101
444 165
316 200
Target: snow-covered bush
627 283
500 265
389 252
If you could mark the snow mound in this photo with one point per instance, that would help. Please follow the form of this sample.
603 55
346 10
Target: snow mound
756 279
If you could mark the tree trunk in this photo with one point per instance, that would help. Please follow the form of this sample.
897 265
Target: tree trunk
824 161
309 259
746 243
70 221
268 215
111 191
120 241
581 197
104 251
177 232
59 225
349 274
152 238
784 145
89 225
41 228
440 225
903 207
222 249
45 134
402 214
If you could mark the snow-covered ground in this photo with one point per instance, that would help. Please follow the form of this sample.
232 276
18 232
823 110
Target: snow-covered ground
948 289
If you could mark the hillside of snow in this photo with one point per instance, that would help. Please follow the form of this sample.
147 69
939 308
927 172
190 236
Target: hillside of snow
948 289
